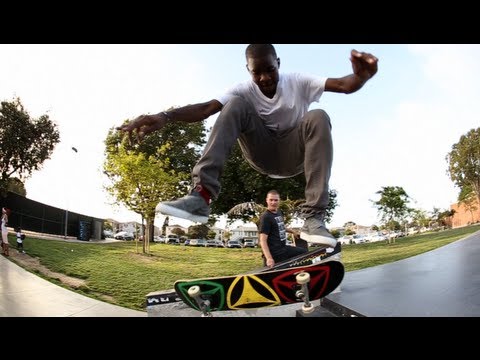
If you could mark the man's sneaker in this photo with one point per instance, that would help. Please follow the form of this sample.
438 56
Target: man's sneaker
192 207
314 231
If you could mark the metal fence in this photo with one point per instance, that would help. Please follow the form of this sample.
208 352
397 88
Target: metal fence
35 216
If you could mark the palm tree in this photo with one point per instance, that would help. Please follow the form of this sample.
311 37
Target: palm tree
251 211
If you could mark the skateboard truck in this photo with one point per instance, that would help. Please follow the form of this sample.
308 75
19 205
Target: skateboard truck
203 304
303 279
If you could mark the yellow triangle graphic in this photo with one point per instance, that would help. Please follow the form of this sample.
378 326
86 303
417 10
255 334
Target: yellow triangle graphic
249 294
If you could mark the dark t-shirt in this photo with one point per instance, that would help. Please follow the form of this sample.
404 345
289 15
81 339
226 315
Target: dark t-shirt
273 226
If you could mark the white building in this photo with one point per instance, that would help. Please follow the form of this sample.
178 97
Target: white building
219 233
245 232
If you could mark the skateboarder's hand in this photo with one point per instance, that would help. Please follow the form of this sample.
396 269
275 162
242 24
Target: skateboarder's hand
144 125
270 262
364 64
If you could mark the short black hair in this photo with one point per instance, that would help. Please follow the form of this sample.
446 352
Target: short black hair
258 50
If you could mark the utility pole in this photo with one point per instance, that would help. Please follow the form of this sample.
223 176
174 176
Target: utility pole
66 207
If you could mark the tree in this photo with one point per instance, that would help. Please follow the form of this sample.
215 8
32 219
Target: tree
139 182
107 225
336 233
198 231
464 163
468 198
158 169
177 231
25 142
420 218
444 217
165 224
440 217
393 225
392 204
16 186
178 145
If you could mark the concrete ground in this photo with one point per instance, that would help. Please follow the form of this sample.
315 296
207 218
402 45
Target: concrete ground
23 294
444 282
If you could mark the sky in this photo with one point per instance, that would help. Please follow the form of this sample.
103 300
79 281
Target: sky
395 131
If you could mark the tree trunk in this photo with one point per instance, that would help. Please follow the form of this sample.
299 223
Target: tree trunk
148 234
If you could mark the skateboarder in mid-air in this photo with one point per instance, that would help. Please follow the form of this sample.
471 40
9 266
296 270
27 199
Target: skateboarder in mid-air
279 137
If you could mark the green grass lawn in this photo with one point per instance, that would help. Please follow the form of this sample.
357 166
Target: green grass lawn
117 273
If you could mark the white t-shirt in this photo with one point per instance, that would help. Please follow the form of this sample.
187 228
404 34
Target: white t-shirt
295 93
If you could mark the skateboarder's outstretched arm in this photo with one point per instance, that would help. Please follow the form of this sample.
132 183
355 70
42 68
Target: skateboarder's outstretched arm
145 124
364 66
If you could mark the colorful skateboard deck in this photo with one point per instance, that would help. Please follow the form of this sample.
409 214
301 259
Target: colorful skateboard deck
262 289
318 254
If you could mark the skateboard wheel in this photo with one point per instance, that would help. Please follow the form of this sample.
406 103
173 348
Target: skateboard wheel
194 290
308 309
303 278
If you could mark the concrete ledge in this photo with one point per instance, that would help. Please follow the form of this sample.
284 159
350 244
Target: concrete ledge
179 309
339 310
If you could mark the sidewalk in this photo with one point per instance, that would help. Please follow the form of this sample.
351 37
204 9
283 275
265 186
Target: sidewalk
23 294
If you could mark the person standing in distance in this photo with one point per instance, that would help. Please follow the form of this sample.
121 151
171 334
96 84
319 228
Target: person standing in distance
268 115
273 233
20 238
5 214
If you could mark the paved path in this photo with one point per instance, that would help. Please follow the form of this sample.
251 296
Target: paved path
442 282
23 294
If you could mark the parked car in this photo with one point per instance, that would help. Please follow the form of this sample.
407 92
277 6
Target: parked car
198 242
123 235
219 243
193 242
234 244
172 240
214 243
202 242
359 239
159 239
249 243
211 243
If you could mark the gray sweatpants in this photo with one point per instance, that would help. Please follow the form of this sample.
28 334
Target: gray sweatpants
306 148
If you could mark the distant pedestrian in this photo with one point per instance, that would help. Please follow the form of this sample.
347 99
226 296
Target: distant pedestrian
5 214
20 238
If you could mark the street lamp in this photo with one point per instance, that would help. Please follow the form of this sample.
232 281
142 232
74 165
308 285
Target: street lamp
66 207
